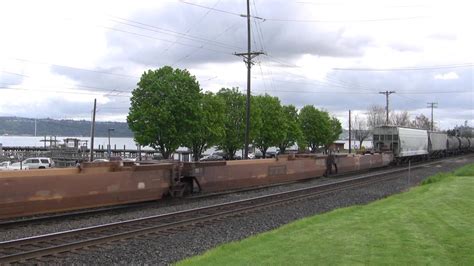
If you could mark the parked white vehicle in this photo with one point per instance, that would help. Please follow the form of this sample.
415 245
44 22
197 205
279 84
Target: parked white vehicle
38 163
6 166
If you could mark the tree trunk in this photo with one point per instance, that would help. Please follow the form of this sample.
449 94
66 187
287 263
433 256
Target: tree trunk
282 149
165 153
196 154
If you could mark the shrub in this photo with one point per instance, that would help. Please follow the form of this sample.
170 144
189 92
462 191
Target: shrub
467 170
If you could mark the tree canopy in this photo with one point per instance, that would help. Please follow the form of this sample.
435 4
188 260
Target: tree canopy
168 110
209 130
273 128
316 127
234 121
292 130
164 109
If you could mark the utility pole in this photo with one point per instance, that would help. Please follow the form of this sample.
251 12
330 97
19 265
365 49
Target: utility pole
350 132
432 105
93 131
248 56
387 93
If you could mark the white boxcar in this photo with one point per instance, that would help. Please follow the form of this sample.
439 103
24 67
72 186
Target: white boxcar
437 142
403 142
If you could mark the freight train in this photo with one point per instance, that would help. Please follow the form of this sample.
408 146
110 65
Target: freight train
418 144
24 193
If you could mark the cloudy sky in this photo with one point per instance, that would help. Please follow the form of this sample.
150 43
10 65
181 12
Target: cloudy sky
57 56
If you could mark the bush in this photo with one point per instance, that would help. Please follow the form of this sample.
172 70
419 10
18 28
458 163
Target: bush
467 170
435 178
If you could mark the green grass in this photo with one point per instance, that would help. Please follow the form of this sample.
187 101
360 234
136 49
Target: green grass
432 224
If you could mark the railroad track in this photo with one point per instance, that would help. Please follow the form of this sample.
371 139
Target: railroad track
41 248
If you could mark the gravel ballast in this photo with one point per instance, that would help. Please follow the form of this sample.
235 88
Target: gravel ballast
179 245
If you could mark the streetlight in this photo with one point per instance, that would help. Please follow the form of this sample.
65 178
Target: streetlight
108 146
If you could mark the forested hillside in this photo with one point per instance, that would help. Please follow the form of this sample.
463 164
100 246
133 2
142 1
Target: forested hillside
20 126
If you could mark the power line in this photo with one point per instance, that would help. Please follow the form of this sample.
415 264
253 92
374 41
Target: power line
159 39
407 68
197 49
354 4
320 92
304 20
156 29
192 26
61 91
107 91
343 21
326 82
437 92
212 8
262 46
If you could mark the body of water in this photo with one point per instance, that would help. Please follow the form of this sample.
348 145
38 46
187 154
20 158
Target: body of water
129 143
31 141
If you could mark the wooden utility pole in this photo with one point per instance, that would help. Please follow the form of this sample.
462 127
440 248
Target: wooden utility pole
93 131
350 133
387 93
432 105
248 56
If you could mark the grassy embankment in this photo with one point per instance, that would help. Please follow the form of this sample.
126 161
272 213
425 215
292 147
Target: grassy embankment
430 224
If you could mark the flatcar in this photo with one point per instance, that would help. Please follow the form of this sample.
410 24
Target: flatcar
110 183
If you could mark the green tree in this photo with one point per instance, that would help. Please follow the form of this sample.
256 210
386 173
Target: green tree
335 132
210 129
315 126
272 127
234 121
292 129
164 109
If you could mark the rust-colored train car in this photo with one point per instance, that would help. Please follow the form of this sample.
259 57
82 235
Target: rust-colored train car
228 175
99 184
31 192
353 163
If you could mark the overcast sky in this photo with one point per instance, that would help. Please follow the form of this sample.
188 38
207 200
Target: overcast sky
57 56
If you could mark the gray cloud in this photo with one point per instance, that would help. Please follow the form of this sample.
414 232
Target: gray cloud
405 47
354 90
283 39
444 36
99 80
10 78
414 90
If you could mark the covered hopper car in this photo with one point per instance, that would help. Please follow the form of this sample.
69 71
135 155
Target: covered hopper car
415 144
